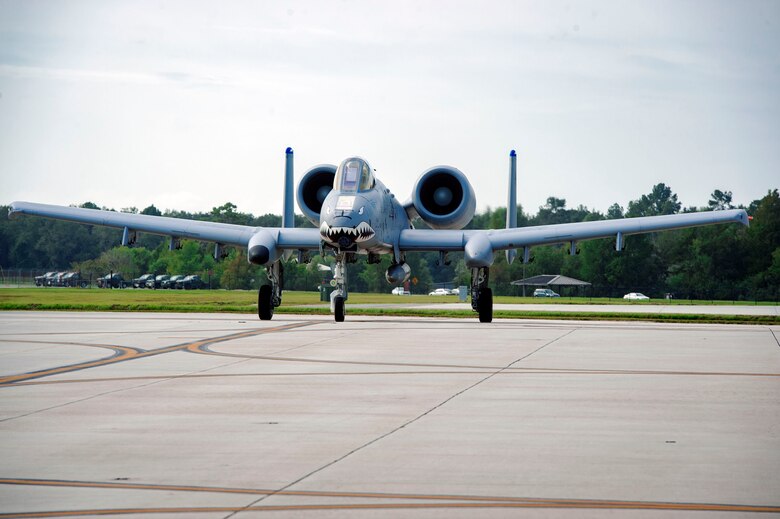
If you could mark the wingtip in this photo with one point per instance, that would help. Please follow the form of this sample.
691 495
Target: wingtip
13 210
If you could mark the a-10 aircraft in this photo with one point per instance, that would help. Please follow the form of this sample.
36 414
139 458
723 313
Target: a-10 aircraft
356 215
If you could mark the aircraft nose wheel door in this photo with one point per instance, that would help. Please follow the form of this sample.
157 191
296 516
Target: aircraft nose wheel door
481 294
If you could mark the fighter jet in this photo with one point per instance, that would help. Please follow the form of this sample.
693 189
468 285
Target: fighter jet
357 216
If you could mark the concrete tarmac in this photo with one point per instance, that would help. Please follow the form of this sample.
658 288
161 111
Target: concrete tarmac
216 416
643 308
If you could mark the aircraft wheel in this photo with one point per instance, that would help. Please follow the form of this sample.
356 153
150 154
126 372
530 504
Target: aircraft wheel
338 303
485 305
265 305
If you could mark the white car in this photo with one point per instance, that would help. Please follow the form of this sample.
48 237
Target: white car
636 296
440 292
399 291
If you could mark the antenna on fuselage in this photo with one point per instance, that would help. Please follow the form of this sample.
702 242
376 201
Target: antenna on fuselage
511 204
288 216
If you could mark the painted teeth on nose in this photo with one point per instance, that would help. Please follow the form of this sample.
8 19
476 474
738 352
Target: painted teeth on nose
325 230
364 231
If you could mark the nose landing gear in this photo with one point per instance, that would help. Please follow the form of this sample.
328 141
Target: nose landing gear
339 296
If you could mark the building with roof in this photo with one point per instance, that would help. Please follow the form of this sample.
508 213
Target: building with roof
550 281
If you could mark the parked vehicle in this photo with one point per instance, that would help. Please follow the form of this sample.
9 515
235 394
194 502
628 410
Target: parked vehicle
73 279
171 281
56 279
141 281
636 296
399 291
157 281
440 292
112 281
192 282
545 292
44 280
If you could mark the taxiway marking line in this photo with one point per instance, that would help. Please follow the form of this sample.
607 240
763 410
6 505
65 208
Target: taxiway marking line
204 349
452 501
398 506
131 353
483 371
124 354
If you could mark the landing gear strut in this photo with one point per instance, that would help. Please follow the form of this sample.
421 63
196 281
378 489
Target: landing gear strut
339 296
270 296
481 294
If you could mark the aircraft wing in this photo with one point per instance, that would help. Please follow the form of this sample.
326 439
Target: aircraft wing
223 233
502 239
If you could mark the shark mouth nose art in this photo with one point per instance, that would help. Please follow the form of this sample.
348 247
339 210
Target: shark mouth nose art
362 232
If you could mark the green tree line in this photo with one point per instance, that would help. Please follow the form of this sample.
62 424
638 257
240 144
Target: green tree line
718 262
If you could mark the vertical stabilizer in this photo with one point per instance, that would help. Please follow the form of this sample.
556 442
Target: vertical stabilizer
288 216
511 203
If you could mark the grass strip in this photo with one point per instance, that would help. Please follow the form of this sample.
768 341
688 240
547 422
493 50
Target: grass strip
249 297
401 312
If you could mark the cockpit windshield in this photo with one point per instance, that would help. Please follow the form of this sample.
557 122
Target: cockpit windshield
354 175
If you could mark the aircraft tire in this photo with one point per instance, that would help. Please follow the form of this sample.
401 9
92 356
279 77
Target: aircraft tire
338 304
265 306
485 305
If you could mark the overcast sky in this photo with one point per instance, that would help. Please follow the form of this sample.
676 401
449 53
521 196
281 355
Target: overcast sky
188 105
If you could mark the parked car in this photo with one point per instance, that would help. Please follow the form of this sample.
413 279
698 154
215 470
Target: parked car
157 281
399 291
73 279
545 292
141 281
440 292
171 281
192 282
44 280
56 279
112 281
636 296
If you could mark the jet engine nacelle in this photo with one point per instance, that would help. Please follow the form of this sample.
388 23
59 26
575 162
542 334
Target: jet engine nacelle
444 198
312 190
398 273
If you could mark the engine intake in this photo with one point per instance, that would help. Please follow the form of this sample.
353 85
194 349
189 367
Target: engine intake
444 198
312 190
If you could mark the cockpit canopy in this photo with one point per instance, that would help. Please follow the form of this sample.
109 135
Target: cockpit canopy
354 174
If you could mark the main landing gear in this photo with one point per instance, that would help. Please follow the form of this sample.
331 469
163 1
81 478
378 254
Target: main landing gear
481 294
270 296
